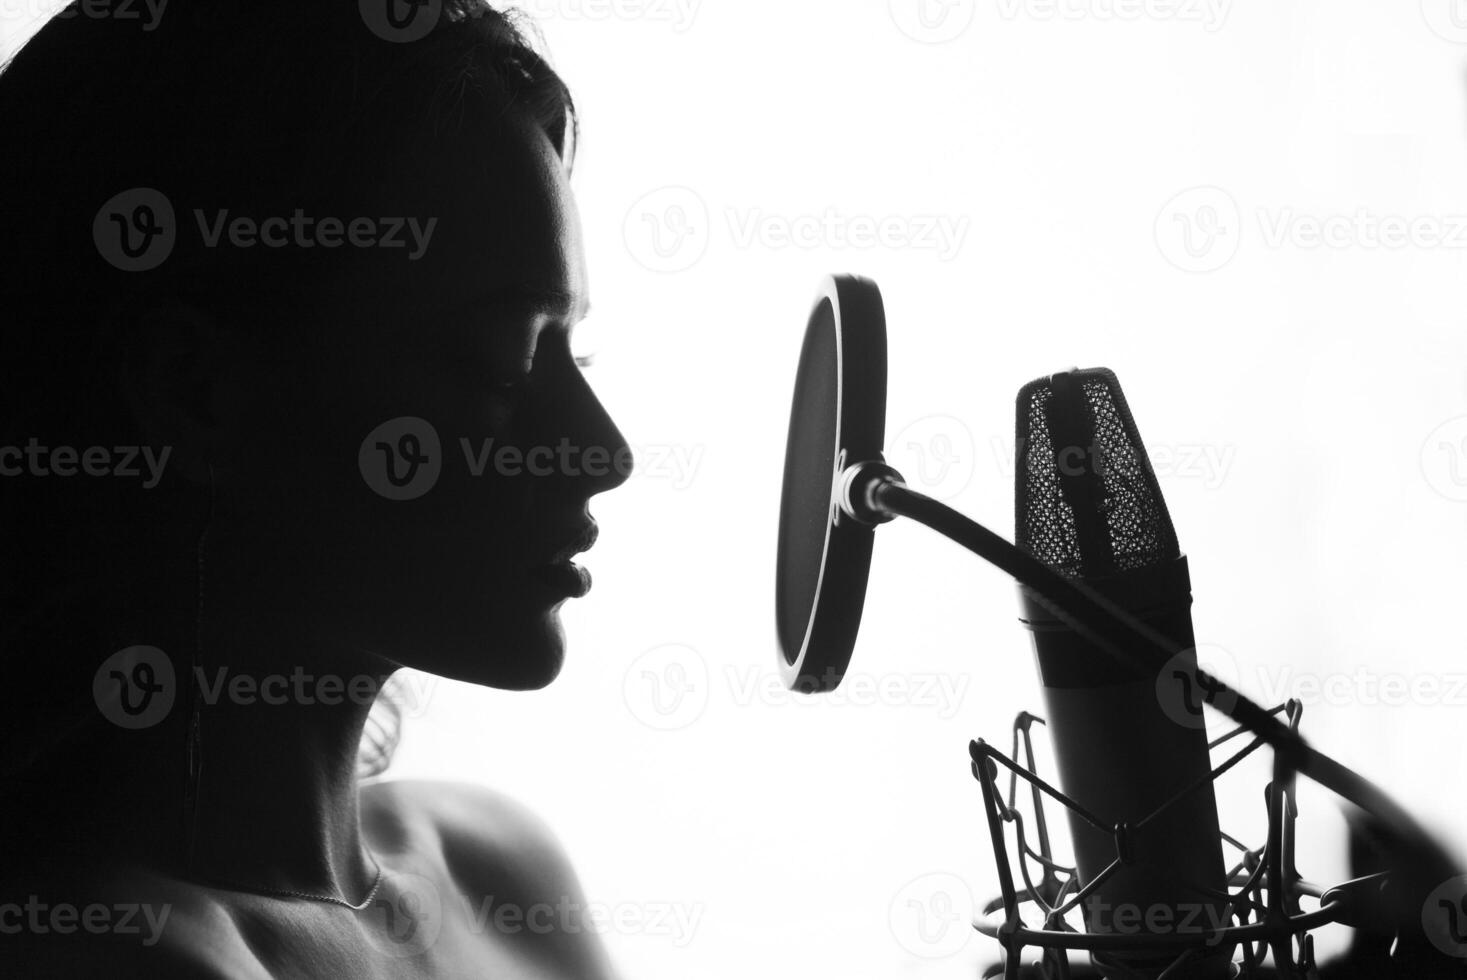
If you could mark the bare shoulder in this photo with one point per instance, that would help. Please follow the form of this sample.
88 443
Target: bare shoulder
481 830
515 878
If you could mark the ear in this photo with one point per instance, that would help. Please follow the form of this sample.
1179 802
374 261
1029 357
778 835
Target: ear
183 380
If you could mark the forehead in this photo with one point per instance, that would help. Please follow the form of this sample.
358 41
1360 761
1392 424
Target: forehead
506 217
502 210
494 211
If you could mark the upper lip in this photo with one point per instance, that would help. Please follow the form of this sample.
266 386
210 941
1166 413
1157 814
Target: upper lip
583 539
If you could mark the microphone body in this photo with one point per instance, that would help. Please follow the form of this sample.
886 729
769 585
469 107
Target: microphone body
1088 505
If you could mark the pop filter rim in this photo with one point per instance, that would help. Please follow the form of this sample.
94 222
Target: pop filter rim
851 308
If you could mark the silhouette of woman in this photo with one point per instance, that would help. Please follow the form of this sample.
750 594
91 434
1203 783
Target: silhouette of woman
266 268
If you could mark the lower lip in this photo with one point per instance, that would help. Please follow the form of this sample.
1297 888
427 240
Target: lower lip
564 577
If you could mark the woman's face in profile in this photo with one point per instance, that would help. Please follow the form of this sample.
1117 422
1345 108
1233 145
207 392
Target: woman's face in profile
427 461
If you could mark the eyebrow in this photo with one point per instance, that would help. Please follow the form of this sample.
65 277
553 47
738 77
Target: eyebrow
538 298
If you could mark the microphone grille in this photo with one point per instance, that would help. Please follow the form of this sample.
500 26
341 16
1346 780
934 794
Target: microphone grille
1086 499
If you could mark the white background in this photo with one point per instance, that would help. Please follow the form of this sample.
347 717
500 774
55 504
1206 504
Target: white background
1139 184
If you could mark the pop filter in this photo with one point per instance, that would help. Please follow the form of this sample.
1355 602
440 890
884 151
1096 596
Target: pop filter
838 416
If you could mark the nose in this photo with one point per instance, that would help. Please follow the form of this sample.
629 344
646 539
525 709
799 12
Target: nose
602 458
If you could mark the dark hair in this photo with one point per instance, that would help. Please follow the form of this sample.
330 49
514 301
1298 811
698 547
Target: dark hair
250 104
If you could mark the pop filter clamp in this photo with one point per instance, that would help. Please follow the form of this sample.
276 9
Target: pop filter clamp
838 489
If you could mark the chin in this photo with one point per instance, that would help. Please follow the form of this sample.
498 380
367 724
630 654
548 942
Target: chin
525 654
494 629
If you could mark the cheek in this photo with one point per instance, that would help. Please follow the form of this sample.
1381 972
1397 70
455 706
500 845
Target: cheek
437 572
374 451
385 462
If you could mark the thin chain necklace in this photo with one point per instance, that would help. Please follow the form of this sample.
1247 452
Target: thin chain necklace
287 893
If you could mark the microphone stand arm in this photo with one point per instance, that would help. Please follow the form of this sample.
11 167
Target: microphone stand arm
873 493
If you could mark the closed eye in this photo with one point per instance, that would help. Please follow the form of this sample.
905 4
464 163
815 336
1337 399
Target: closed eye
548 340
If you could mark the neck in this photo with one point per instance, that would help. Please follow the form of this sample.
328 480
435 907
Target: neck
280 725
281 714
276 805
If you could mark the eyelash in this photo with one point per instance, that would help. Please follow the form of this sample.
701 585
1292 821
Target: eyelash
584 361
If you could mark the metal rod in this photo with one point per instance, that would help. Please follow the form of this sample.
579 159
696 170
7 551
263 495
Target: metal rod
1121 635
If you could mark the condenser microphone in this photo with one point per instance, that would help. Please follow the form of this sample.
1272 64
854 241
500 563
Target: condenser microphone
1087 504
